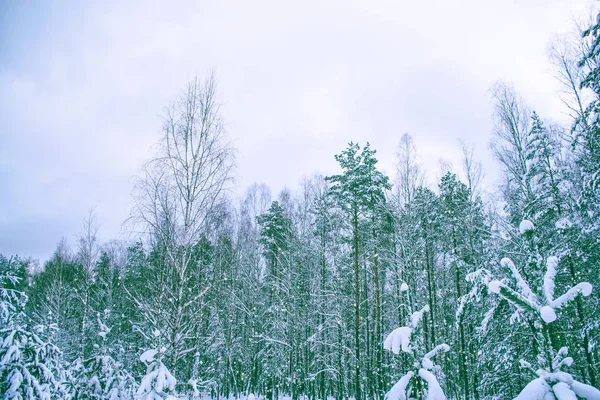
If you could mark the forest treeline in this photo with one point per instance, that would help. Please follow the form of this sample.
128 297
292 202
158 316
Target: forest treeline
294 294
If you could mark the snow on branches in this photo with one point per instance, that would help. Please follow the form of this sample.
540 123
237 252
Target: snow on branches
557 385
408 339
551 382
524 299
29 366
158 383
525 226
100 376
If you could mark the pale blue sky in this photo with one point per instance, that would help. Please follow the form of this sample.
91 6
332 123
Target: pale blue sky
83 86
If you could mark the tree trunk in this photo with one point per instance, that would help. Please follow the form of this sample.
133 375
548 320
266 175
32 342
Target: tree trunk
377 343
586 340
357 379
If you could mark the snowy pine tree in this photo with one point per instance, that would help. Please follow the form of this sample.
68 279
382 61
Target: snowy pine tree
538 307
158 383
29 366
100 376
360 193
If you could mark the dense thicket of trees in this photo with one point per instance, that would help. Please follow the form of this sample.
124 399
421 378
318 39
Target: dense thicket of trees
295 294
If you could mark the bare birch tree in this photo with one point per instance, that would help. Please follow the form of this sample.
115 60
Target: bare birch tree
512 123
175 196
409 175
87 256
472 169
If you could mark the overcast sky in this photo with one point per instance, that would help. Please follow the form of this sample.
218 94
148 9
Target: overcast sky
83 87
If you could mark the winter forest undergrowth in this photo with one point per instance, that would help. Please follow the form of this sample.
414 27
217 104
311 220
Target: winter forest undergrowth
355 285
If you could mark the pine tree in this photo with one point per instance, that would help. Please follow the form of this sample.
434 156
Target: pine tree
462 232
427 223
55 300
359 191
275 236
29 366
100 376
277 326
538 308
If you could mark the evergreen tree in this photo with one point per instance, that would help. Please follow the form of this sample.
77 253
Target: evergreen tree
462 233
359 191
158 383
100 376
29 366
539 312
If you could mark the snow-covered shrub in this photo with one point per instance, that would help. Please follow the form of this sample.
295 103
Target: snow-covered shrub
104 378
409 340
72 379
100 376
29 366
158 383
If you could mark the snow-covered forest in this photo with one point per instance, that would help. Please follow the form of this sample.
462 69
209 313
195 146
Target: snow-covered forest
354 285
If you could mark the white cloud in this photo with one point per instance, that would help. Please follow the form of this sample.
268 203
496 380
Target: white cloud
83 90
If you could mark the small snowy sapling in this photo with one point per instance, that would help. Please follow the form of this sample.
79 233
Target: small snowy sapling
158 383
409 340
